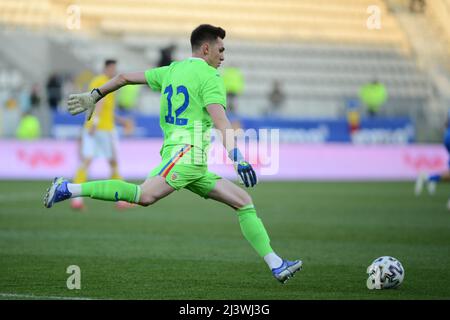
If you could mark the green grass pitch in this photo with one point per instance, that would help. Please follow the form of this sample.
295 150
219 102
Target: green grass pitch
185 247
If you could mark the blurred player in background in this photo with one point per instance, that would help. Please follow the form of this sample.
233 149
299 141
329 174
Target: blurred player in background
432 180
193 99
99 135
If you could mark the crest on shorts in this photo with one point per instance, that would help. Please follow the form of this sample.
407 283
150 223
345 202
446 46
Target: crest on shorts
174 176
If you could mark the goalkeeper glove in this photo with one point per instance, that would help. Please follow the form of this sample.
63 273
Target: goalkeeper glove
244 169
82 102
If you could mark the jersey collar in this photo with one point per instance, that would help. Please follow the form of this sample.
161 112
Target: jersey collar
195 58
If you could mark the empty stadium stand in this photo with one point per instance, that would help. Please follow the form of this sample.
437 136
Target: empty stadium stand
321 50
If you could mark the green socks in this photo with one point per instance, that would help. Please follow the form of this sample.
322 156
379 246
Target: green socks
111 190
116 190
253 230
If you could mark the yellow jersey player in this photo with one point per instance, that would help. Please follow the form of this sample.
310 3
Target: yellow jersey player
99 135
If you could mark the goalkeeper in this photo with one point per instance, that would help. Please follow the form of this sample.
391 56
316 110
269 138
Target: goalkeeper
193 100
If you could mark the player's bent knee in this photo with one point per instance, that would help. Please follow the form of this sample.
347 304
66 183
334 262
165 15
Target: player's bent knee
147 200
86 163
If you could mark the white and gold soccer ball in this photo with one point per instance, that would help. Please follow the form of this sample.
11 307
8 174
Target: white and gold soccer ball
385 273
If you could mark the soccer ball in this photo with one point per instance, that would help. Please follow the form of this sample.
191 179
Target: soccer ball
385 273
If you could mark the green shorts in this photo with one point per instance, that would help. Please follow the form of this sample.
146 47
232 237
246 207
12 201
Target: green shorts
180 172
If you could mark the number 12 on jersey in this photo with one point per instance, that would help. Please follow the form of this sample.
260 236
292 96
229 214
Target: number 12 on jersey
170 118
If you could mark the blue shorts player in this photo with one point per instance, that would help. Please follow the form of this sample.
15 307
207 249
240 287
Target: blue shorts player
432 180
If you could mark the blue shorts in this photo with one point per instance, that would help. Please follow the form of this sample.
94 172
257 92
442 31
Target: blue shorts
447 143
447 140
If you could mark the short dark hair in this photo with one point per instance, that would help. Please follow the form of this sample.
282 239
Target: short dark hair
205 32
110 61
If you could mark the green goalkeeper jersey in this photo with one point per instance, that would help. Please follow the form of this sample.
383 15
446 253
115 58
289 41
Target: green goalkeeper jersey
187 87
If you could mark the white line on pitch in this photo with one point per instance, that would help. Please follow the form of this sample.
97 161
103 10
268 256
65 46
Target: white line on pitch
31 296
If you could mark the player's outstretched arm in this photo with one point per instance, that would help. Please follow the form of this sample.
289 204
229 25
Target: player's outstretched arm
85 102
244 169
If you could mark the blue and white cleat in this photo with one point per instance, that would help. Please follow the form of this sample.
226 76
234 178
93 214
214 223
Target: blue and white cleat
57 192
287 270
